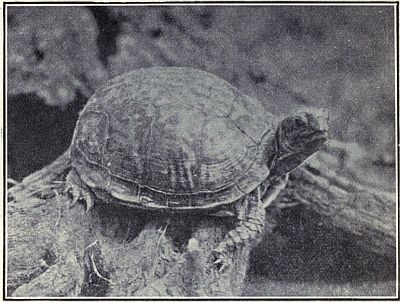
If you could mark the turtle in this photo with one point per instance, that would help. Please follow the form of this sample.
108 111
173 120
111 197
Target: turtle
182 140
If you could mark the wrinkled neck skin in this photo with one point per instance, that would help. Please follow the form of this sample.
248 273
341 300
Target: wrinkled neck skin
282 159
269 146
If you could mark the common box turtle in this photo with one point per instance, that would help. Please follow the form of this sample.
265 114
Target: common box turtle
180 139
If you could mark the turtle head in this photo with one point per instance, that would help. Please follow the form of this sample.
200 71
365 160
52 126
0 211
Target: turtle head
299 136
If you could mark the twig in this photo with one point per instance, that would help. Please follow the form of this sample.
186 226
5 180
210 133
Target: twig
97 272
92 244
12 181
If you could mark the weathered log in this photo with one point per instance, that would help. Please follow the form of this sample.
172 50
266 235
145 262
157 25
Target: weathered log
55 250
328 185
115 252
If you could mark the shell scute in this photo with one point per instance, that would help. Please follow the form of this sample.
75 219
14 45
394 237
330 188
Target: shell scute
90 135
124 190
171 138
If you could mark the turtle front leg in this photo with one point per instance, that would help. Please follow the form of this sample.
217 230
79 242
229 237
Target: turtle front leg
79 190
251 216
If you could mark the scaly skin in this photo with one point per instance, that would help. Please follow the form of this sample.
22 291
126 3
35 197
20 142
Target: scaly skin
251 216
152 136
78 189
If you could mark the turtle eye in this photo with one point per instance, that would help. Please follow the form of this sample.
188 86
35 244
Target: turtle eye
299 122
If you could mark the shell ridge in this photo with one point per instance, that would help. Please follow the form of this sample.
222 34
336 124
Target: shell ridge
76 145
241 130
197 108
106 137
149 143
94 163
239 189
195 144
161 191
249 168
148 187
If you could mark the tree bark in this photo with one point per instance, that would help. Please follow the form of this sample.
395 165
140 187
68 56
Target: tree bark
328 185
57 250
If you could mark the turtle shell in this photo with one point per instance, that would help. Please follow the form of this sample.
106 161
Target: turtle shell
172 138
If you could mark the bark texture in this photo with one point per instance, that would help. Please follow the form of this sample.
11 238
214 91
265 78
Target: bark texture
58 250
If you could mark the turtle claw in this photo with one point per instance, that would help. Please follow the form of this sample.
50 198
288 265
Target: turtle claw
75 198
89 199
78 195
89 205
78 190
162 235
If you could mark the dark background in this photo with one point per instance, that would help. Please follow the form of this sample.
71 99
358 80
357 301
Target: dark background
336 57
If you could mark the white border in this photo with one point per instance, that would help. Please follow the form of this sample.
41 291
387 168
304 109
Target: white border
254 3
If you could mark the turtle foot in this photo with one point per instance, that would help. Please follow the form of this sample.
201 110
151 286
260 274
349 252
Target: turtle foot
76 195
251 216
78 190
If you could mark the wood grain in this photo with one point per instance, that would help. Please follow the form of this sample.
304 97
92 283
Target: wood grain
54 250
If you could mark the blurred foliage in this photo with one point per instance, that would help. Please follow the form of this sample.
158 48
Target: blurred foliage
337 57
52 52
340 58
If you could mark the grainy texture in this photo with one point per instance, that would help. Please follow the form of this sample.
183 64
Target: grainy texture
336 57
52 53
117 252
173 138
112 251
368 213
339 58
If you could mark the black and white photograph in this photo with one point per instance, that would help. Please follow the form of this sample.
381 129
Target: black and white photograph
200 150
